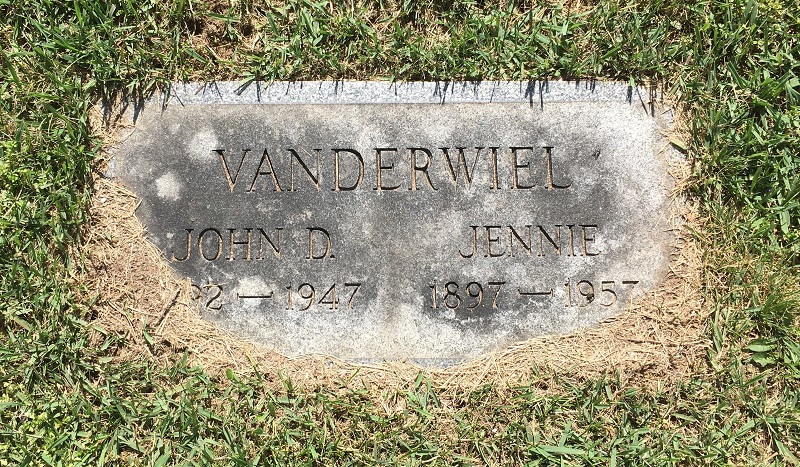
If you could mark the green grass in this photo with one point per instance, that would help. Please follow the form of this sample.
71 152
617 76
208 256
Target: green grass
734 66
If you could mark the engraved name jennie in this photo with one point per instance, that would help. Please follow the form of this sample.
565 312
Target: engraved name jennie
496 241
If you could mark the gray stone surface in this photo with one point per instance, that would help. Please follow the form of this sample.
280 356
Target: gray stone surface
372 237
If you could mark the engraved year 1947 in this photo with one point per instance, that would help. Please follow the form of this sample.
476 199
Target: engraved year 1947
302 297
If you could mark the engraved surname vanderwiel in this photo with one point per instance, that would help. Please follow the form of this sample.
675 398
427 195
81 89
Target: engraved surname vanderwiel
293 169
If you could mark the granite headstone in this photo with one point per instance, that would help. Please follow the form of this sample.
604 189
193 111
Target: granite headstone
426 222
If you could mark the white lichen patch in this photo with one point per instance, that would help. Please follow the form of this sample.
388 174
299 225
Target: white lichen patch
168 187
201 147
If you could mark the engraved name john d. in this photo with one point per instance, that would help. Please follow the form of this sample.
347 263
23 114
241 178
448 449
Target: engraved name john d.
250 244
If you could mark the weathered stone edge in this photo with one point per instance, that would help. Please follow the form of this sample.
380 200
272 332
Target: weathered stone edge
536 92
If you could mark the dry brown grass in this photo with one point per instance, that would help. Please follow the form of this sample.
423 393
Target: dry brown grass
654 342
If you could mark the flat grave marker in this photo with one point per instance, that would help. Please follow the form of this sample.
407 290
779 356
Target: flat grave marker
427 222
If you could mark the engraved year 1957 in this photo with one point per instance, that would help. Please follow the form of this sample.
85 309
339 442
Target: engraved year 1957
576 293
